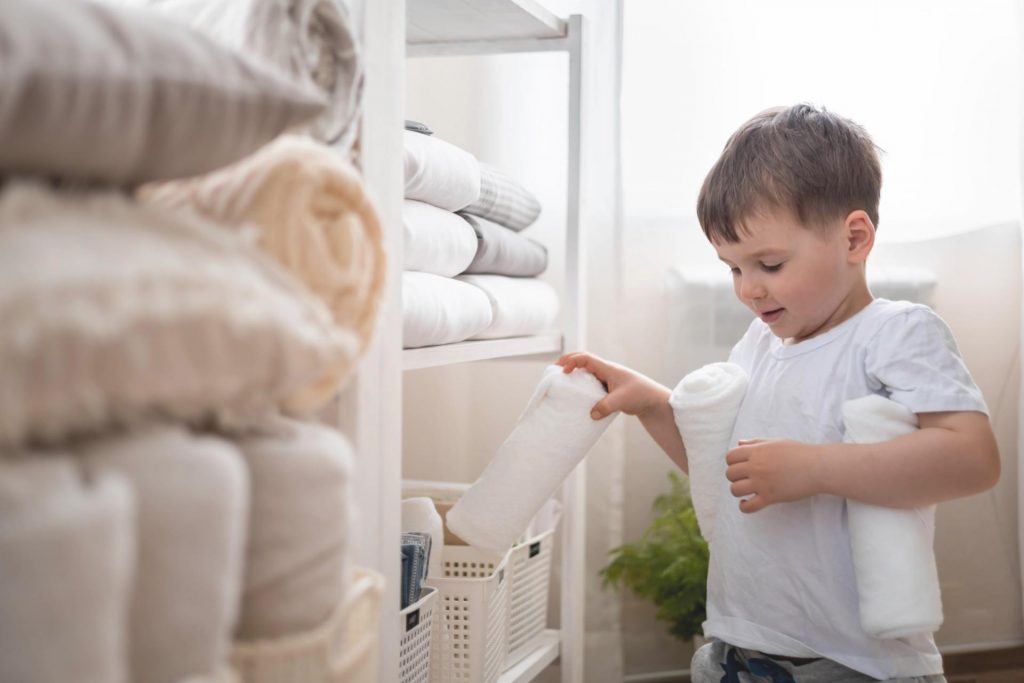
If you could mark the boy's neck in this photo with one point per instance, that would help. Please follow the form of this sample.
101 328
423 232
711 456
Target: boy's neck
857 299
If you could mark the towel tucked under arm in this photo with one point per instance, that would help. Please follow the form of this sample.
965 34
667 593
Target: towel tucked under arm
893 557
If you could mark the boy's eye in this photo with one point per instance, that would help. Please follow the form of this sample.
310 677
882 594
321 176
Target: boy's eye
771 268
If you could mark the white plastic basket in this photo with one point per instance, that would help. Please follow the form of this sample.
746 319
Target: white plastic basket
529 567
342 650
416 622
470 636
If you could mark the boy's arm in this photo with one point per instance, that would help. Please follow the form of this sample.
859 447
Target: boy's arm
634 394
953 454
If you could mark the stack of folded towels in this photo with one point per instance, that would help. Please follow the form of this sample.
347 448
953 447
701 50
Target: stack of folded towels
469 273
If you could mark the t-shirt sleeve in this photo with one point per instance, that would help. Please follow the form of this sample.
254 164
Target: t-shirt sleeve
914 359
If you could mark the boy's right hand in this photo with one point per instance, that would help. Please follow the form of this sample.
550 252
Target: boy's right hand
628 390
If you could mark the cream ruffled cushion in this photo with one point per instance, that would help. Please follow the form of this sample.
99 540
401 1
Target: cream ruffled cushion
119 94
310 211
113 313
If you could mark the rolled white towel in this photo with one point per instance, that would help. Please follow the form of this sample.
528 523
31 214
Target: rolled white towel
420 514
705 404
66 566
893 555
191 499
552 436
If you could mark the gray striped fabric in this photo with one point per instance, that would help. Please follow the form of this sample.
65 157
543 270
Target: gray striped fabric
503 200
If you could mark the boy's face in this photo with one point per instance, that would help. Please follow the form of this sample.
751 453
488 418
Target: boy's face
800 281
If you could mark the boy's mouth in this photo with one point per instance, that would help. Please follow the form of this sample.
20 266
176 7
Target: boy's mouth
771 316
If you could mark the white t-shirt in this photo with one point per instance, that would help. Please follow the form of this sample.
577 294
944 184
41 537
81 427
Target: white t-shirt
781 580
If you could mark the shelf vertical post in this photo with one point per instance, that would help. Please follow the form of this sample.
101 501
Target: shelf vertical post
574 490
370 408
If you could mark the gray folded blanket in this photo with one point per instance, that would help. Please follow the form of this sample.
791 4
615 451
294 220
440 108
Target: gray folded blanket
500 251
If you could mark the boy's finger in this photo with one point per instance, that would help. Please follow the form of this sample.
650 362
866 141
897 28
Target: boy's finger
742 488
736 472
752 504
601 409
736 455
748 442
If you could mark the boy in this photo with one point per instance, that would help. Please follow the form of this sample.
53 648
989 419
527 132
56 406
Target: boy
791 208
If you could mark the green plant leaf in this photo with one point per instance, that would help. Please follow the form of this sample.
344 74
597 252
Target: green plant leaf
669 564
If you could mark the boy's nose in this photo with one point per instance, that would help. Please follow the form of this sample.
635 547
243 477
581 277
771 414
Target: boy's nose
751 289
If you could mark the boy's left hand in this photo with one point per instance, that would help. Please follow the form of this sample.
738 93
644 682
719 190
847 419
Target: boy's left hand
768 471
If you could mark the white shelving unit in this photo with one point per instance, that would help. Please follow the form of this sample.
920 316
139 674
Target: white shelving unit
370 409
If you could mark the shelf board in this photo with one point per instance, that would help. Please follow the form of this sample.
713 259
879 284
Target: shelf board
473 21
484 349
535 662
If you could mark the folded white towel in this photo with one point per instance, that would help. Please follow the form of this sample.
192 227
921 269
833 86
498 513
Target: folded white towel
549 440
66 563
296 555
893 556
440 310
439 173
420 514
436 241
191 498
521 306
705 404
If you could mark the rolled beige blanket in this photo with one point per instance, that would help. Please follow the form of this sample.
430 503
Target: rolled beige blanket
310 40
296 556
311 213
192 498
66 565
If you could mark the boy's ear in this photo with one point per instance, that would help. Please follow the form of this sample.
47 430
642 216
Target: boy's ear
859 233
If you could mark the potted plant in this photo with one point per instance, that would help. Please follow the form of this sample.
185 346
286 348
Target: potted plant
669 564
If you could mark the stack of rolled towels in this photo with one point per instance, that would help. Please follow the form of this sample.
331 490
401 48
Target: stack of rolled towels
892 549
468 272
174 309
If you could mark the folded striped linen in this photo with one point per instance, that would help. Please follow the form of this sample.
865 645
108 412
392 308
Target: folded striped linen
297 545
436 241
439 173
191 501
67 559
504 200
501 251
144 312
311 213
522 306
310 40
893 554
441 310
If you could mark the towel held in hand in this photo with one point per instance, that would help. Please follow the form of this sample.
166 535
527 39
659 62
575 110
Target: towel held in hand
893 557
549 440
705 404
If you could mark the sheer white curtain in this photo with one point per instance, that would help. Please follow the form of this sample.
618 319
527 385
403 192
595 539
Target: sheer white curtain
938 86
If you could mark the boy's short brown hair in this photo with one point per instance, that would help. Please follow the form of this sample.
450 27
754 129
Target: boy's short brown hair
811 162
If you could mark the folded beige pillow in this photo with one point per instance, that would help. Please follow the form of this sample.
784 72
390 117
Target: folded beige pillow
114 313
117 94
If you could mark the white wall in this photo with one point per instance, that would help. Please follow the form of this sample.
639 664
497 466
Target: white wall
934 81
